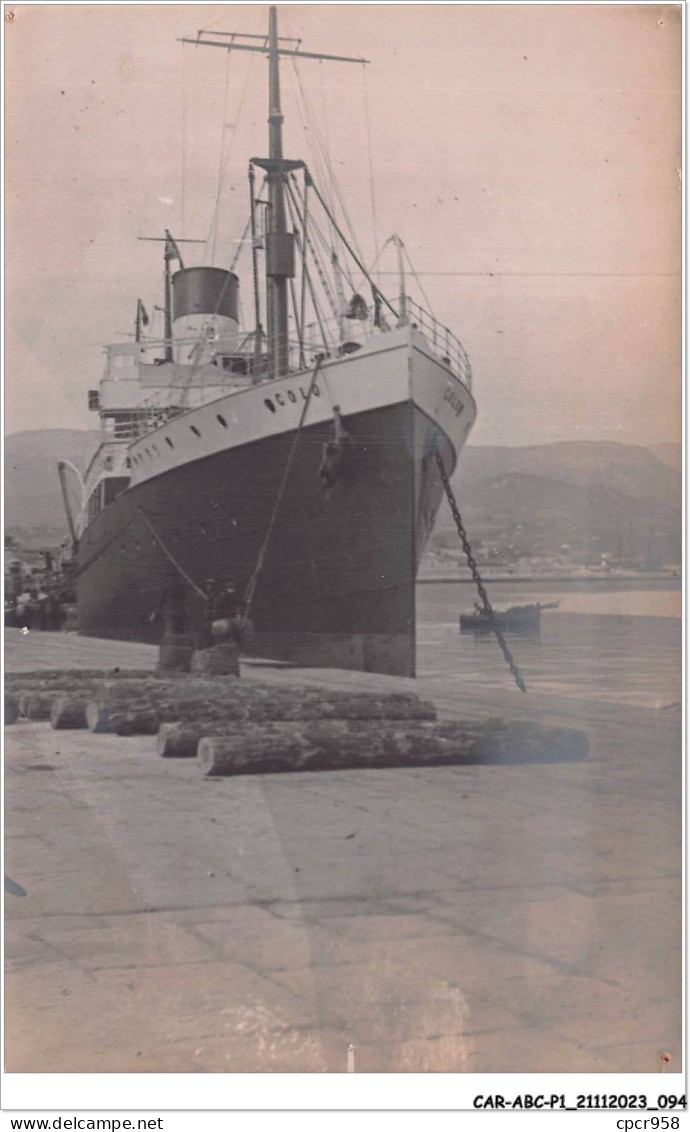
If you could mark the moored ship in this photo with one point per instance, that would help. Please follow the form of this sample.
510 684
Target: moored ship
296 459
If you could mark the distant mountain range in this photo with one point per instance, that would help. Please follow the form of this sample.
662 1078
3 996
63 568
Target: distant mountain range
593 496
34 508
629 468
671 454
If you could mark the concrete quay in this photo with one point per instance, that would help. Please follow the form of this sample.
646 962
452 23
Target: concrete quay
469 919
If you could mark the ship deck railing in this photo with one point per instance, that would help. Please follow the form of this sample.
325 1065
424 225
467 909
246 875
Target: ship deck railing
444 344
332 338
338 336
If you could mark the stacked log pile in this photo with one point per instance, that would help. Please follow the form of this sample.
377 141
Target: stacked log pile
236 727
140 708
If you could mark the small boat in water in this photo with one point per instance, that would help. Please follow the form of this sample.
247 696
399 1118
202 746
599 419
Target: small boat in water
516 617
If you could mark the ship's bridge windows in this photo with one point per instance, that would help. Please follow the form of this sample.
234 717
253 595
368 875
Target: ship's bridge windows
126 425
195 430
221 420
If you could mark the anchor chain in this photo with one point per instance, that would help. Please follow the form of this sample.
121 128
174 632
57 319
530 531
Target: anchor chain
476 576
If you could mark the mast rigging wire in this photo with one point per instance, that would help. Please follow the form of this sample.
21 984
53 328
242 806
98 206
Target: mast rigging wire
327 148
326 174
225 161
183 192
241 243
185 383
356 258
309 247
307 283
171 558
223 131
303 247
372 186
418 281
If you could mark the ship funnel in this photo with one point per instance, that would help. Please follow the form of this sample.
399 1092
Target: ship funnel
205 314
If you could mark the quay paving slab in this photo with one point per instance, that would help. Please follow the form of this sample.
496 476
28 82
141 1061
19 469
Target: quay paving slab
472 919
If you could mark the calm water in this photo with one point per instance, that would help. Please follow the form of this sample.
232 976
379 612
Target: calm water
614 641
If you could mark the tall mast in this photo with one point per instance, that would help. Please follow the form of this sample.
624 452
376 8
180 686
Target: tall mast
279 242
280 252
169 255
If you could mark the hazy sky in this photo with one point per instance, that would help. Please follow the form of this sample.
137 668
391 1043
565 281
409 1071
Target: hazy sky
528 156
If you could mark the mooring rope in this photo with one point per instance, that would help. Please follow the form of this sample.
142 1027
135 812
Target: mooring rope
170 556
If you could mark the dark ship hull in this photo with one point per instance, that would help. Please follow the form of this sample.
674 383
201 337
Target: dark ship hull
300 466
338 584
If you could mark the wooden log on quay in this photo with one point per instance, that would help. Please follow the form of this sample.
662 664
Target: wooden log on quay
35 691
138 720
97 717
68 713
11 710
181 740
55 688
35 705
144 716
142 711
39 705
349 745
64 678
127 697
49 678
195 687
